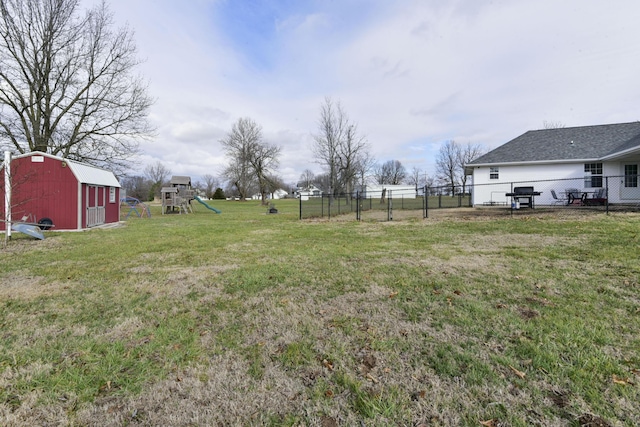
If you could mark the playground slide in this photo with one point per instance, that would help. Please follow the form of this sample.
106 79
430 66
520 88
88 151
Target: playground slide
211 208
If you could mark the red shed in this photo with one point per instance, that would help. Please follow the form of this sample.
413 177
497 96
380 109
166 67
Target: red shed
73 195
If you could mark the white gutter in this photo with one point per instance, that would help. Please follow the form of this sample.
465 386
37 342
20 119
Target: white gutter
532 162
622 154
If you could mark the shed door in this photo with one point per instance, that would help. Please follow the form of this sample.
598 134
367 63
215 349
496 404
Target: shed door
96 201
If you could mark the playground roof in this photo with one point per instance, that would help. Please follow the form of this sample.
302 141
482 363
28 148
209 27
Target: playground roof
180 180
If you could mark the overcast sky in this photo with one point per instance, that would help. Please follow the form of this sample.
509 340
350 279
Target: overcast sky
411 74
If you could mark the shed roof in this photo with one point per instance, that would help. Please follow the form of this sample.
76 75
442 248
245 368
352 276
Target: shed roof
88 174
570 144
84 173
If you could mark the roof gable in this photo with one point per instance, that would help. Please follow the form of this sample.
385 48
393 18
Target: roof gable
576 143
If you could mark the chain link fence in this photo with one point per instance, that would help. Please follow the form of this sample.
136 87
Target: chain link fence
586 194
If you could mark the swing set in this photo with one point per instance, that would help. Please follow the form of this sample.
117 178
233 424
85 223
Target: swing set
136 207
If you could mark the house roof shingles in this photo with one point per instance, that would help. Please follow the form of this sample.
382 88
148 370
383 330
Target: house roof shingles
575 143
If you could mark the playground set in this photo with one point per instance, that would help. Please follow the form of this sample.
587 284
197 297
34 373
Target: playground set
179 195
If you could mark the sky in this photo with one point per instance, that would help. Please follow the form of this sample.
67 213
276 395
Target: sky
412 74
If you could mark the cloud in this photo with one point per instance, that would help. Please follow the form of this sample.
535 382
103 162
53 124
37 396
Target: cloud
411 74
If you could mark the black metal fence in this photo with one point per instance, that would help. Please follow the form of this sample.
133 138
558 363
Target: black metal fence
591 193
379 205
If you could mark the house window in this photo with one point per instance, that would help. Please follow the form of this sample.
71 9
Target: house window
595 179
494 173
631 176
112 194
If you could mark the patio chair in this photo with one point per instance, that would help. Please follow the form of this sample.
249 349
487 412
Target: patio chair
558 200
599 193
599 198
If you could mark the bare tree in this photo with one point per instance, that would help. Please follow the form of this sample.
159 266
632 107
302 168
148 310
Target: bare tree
339 147
416 177
210 185
275 183
364 168
323 182
158 175
447 165
263 158
466 154
67 83
395 172
252 160
391 172
236 145
138 187
306 178
331 128
352 155
552 124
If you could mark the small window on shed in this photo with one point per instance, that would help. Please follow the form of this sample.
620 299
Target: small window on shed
112 194
494 173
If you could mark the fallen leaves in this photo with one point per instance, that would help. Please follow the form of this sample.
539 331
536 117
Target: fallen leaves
520 374
327 364
622 381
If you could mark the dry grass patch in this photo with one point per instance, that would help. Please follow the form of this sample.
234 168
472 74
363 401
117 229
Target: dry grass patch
19 285
266 321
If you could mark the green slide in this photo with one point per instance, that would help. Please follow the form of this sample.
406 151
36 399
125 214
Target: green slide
207 206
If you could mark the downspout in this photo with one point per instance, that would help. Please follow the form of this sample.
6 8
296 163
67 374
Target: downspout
7 194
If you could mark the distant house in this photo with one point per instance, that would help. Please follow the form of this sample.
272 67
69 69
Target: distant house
277 194
395 191
73 195
305 192
587 152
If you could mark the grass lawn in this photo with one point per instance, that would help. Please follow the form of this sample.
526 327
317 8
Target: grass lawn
246 318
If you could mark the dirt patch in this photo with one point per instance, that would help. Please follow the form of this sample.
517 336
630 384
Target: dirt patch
590 420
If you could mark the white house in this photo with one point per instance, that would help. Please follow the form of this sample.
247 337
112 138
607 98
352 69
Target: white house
278 194
596 156
396 191
305 192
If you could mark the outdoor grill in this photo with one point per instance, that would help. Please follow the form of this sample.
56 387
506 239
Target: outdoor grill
523 197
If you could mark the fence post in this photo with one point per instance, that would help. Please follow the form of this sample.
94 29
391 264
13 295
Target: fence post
358 213
513 205
606 193
389 207
301 206
426 201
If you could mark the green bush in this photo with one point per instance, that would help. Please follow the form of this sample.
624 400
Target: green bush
219 194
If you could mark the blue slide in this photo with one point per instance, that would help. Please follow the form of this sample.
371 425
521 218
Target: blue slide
207 206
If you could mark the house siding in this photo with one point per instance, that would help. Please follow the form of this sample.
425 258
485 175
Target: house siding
493 190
